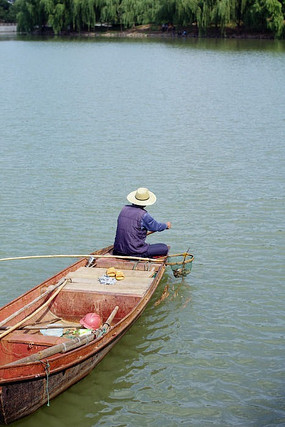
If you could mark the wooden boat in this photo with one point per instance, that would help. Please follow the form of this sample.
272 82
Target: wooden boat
35 367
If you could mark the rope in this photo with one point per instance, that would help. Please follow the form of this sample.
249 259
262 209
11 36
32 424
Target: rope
100 332
47 371
135 265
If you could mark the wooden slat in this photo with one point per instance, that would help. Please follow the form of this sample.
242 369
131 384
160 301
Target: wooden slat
98 272
126 286
136 282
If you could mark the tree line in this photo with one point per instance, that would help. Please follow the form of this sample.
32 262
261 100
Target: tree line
82 15
7 12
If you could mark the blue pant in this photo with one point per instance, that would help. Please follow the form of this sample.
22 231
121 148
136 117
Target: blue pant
156 249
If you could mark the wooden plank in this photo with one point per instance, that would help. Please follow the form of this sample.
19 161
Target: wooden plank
34 339
126 286
125 281
98 272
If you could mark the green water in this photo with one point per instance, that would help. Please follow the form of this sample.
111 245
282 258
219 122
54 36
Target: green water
201 123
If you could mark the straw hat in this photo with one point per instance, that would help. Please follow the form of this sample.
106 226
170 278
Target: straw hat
141 197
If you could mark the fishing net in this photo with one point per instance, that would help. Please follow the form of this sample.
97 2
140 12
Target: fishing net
181 264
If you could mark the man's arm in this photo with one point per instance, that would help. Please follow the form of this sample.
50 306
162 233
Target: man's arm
150 224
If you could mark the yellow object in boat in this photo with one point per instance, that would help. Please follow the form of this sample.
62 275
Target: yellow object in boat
120 275
111 272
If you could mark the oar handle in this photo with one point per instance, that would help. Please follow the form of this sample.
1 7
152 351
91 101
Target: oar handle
111 317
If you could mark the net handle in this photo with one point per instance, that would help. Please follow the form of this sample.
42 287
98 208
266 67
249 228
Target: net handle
181 262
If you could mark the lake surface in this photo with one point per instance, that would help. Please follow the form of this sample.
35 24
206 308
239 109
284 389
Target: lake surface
201 123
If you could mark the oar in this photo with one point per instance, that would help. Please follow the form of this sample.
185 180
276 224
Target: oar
50 326
79 256
36 311
31 303
64 347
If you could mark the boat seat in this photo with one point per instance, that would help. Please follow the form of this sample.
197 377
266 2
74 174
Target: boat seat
20 344
86 294
97 272
87 280
33 339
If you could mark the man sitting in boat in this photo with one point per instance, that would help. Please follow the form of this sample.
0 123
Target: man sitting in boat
133 224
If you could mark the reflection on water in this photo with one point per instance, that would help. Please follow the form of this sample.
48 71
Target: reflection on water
174 290
234 44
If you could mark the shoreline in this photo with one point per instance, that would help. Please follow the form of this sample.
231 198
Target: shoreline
125 34
144 31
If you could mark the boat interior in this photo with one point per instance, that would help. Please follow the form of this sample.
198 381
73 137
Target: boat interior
82 293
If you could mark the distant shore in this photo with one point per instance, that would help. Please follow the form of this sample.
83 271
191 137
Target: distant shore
145 31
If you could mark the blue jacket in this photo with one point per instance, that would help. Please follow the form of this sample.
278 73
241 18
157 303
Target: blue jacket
133 223
130 237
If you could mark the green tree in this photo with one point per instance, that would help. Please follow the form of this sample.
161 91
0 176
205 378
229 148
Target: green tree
274 17
111 11
265 15
58 14
65 15
222 13
84 14
241 7
129 13
204 13
146 11
30 15
7 11
167 11
187 11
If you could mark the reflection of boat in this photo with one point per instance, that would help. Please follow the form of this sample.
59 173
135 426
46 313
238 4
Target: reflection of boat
36 366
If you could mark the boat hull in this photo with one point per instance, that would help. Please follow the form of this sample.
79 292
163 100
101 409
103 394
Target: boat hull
30 380
22 398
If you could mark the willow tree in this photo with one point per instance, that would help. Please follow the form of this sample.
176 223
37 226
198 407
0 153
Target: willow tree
129 13
7 11
204 16
84 15
88 13
274 17
30 15
221 14
167 11
147 11
265 15
241 7
58 14
111 11
187 11
56 18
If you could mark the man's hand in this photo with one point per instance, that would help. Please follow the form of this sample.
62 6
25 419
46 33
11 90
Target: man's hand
168 224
